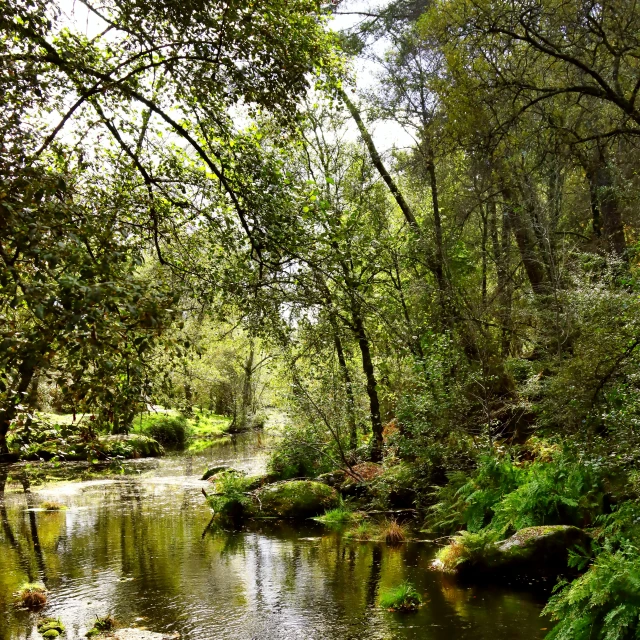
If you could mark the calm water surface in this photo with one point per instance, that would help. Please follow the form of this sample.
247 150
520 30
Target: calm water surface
140 548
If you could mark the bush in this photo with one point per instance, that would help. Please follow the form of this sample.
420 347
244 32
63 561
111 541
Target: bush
293 458
169 431
404 597
230 498
603 604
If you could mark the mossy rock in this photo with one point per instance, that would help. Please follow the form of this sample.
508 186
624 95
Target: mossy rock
215 470
334 478
530 553
297 499
51 628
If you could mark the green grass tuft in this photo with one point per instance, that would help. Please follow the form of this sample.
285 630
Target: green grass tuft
404 597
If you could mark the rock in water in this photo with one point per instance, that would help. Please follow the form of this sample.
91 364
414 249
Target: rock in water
531 552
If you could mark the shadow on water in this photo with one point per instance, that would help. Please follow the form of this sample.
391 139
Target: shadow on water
142 546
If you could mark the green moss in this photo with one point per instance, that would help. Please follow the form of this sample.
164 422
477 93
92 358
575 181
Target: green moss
294 499
51 624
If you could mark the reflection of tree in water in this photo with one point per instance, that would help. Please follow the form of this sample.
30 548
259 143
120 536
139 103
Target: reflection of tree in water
25 559
374 575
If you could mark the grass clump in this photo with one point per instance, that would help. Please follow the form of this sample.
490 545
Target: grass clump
51 505
364 531
392 532
33 595
389 531
339 515
51 627
102 625
404 597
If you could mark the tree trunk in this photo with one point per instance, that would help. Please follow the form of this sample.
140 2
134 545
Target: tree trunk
526 242
607 219
26 371
351 408
501 254
246 389
438 266
372 384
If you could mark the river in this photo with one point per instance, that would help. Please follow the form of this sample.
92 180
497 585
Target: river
139 546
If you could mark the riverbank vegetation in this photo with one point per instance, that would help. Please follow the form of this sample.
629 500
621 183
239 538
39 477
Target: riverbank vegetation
450 324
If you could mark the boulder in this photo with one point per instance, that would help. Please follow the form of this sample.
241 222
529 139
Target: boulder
297 499
532 552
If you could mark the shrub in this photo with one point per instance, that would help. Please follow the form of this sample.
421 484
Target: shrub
169 431
230 498
293 458
603 604
404 597
33 595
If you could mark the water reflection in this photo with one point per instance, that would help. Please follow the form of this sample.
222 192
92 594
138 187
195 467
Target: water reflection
143 548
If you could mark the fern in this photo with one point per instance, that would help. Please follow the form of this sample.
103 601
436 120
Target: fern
604 603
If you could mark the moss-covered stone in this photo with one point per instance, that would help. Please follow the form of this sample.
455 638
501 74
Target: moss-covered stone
215 470
51 633
293 499
531 552
50 624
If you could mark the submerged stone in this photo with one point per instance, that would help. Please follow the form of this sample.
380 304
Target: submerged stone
531 552
294 499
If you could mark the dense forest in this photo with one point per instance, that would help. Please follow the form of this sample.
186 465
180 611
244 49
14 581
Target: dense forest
412 227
